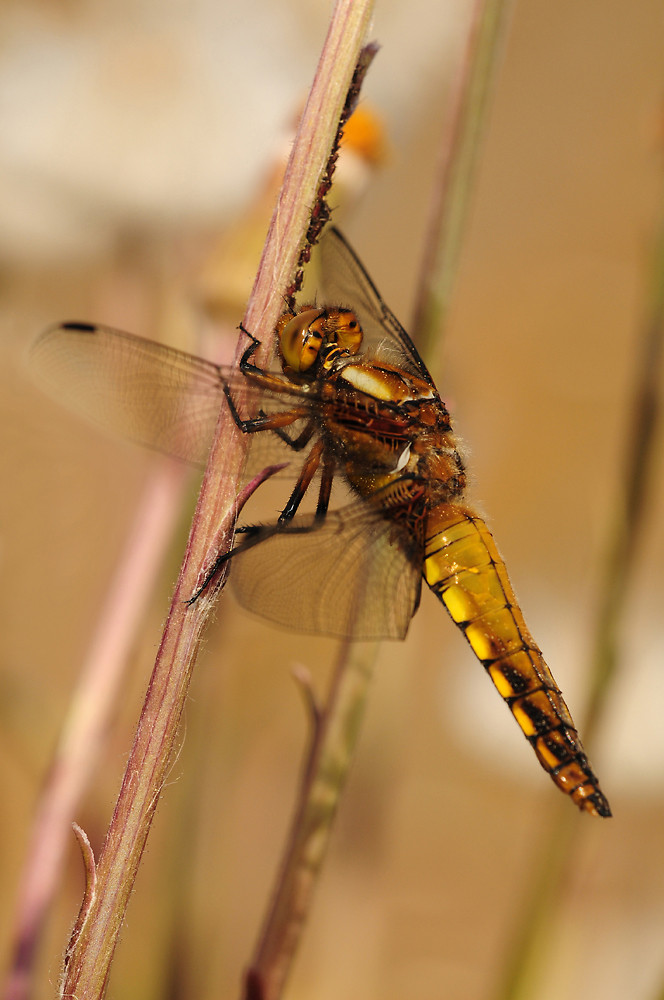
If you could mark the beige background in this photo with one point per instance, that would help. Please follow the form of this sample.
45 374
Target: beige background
132 135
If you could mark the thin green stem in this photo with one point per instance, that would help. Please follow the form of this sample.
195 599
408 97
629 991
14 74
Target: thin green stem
631 502
459 151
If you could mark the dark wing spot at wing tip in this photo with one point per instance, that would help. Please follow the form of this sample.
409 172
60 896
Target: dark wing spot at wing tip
81 327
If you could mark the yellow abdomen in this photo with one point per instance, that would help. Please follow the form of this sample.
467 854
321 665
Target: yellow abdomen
465 570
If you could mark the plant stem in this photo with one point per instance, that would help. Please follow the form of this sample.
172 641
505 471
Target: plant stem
459 150
631 502
335 730
87 720
89 957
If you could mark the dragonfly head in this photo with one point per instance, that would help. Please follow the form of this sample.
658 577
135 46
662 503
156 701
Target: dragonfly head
307 337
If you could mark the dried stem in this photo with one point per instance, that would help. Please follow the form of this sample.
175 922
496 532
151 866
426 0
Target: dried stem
88 960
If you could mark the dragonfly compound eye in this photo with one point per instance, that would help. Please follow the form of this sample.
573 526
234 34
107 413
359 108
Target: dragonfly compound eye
300 339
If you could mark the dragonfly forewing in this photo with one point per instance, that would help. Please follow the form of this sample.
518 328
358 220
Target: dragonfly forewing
139 389
149 393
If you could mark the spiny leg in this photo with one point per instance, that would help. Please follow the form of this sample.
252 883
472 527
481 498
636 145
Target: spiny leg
254 535
302 439
307 473
325 490
270 421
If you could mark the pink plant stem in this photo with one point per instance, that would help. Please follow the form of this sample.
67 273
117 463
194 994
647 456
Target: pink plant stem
88 960
94 701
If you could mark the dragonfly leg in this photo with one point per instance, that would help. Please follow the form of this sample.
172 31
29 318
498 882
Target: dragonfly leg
253 535
303 483
267 421
299 442
325 490
250 350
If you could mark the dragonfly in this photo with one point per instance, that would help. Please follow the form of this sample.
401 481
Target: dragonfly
347 401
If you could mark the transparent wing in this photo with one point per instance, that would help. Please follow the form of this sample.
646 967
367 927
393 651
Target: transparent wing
344 281
355 575
137 388
149 393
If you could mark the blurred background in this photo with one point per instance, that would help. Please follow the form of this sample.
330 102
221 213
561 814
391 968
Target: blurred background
138 143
